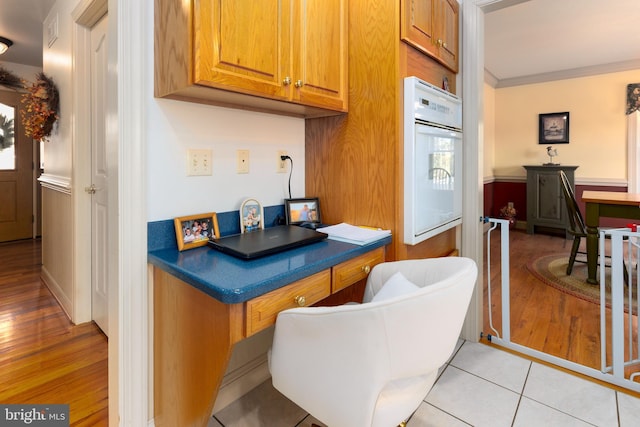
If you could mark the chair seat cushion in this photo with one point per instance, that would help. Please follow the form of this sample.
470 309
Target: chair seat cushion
395 286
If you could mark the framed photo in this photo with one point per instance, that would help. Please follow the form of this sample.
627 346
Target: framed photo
554 128
302 210
251 216
196 230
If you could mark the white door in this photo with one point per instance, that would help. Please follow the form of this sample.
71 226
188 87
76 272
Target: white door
99 174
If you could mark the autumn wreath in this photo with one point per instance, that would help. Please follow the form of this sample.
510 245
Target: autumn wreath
41 103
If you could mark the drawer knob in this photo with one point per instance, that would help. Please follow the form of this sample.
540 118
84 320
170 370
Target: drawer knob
300 300
286 81
298 83
366 269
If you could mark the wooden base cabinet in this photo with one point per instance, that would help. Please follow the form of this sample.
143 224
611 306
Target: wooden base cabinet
274 55
546 206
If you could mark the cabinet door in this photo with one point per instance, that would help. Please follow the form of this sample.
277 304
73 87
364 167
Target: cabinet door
319 53
242 45
447 32
417 24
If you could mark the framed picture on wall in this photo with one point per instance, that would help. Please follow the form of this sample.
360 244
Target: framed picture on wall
196 230
553 128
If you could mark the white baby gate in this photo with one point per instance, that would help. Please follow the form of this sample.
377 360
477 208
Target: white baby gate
612 367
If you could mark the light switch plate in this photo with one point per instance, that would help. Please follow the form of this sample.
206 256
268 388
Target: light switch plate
199 162
243 161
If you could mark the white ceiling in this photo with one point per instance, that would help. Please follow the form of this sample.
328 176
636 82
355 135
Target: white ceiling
21 22
538 40
525 40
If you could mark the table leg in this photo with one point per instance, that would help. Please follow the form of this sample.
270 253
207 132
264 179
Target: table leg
592 222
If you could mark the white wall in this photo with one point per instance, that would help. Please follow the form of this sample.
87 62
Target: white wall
175 126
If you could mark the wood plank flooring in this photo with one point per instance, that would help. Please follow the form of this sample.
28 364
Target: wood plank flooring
542 317
44 358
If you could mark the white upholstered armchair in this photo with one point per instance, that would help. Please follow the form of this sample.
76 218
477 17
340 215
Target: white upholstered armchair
372 364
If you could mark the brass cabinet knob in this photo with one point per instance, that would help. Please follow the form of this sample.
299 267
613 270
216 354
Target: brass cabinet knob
439 42
366 269
300 300
286 81
91 190
299 83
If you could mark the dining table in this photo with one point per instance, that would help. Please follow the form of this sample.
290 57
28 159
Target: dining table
607 204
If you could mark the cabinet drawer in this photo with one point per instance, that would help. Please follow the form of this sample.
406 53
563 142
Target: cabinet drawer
262 311
356 269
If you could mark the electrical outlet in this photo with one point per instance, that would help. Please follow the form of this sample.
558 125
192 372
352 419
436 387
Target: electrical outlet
243 161
282 164
199 162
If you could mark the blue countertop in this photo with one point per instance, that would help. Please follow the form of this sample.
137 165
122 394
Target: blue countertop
232 280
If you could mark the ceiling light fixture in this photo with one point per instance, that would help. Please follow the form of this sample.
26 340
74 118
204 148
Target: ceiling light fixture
5 44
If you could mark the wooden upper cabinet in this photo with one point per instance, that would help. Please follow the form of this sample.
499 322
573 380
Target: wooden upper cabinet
320 53
282 56
431 26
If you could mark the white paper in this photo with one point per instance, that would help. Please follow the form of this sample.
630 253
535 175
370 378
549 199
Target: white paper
352 234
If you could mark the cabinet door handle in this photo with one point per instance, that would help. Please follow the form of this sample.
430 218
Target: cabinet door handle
366 269
286 81
91 190
299 83
300 300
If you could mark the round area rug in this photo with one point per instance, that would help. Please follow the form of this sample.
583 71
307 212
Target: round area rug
551 270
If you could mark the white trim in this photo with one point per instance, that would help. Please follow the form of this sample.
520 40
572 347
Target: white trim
596 182
573 73
633 151
472 123
61 184
131 320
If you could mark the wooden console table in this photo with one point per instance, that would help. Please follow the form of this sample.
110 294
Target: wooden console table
205 302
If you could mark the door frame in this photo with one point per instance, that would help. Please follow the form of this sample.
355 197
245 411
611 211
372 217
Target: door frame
84 17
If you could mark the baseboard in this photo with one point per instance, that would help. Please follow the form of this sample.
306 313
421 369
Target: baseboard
241 381
56 291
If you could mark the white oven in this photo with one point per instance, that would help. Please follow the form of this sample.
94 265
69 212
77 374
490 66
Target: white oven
432 160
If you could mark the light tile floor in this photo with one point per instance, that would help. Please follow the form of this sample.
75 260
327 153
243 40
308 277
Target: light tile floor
480 386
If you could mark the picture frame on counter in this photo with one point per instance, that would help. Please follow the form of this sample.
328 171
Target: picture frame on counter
553 128
251 216
302 210
195 230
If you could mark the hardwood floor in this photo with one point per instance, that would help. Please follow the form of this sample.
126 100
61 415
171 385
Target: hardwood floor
542 317
44 358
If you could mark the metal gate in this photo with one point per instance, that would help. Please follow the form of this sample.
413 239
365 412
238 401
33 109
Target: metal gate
624 353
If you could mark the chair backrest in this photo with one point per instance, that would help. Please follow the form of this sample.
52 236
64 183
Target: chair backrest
372 364
576 222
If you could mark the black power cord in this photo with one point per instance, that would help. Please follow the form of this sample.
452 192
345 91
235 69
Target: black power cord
283 158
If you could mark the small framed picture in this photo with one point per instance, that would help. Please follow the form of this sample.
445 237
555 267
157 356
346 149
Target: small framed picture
553 128
302 210
251 216
196 230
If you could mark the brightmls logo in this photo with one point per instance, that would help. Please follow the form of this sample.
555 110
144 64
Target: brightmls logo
34 415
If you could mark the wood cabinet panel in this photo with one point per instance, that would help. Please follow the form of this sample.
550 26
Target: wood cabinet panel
354 270
431 26
280 56
262 311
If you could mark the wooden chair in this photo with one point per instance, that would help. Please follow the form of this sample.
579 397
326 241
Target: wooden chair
576 228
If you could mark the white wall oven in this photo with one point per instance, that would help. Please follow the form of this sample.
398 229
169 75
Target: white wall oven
432 160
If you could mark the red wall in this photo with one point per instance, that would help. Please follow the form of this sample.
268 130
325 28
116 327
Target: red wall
498 194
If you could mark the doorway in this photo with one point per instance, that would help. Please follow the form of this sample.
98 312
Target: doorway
16 172
98 189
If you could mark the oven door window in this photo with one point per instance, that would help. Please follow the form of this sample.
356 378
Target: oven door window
437 185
